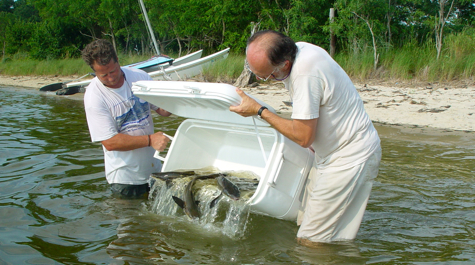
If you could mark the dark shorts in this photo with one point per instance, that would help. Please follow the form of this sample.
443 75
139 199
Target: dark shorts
130 191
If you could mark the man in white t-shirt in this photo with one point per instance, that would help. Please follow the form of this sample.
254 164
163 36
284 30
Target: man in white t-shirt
328 116
121 122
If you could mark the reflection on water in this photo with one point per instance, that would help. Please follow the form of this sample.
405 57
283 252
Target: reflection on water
55 205
422 207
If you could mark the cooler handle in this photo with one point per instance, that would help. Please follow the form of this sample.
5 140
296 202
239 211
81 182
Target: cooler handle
272 181
157 153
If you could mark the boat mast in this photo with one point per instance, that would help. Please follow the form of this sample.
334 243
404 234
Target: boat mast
144 11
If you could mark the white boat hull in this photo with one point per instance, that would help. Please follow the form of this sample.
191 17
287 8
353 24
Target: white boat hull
177 62
187 58
182 60
184 71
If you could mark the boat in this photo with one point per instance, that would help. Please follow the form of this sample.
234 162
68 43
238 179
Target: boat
185 71
182 60
155 60
153 64
162 67
162 61
182 69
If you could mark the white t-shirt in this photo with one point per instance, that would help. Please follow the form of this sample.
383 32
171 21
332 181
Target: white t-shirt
320 88
112 111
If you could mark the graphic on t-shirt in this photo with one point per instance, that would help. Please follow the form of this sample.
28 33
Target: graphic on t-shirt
136 118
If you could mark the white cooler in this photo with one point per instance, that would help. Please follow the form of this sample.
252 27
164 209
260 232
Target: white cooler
213 136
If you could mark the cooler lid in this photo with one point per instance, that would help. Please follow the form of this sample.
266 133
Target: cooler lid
196 100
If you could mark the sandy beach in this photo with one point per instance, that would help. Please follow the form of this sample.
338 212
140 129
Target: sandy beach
441 106
448 106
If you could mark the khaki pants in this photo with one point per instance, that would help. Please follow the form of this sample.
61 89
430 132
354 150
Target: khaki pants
335 201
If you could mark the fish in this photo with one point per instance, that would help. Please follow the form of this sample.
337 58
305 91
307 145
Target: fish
172 174
169 176
188 203
227 188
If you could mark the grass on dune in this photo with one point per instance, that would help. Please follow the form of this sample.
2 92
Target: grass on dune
411 62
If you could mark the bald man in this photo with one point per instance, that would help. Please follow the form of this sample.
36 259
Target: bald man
328 116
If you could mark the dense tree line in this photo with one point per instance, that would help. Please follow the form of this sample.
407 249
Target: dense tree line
48 29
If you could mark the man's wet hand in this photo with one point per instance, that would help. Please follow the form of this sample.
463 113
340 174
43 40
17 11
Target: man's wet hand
159 141
248 106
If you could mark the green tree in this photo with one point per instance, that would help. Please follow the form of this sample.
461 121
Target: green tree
57 35
7 6
6 20
433 19
59 29
306 21
17 19
362 23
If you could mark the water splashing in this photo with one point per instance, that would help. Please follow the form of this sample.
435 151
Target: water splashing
226 216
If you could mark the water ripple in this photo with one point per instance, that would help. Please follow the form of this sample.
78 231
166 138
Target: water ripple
56 206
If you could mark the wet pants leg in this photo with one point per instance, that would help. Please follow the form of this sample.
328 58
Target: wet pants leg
336 201
130 191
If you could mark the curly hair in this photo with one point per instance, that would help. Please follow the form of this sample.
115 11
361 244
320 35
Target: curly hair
99 51
280 47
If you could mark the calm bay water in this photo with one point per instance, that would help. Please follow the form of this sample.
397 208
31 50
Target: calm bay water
56 208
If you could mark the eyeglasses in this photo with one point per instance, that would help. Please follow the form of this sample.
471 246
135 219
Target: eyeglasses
258 77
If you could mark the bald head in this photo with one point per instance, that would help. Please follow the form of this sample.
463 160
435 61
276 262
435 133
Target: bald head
263 39
275 46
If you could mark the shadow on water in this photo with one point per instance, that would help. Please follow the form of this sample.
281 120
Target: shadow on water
55 205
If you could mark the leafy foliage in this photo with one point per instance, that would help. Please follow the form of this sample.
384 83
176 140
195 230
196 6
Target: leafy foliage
50 29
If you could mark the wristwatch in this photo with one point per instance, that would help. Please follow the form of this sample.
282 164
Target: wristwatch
259 112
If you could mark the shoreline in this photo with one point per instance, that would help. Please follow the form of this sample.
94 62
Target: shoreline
447 107
444 107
